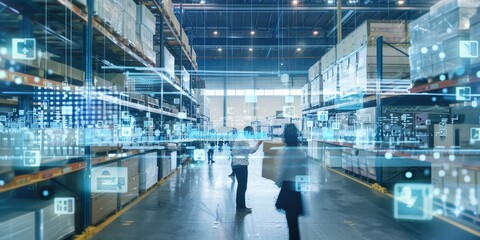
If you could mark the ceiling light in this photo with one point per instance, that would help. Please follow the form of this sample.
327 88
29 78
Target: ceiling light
330 1
295 2
252 33
401 2
315 32
250 49
299 49
352 1
215 33
219 49
202 2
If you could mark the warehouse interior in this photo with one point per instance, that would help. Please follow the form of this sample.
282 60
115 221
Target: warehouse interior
121 119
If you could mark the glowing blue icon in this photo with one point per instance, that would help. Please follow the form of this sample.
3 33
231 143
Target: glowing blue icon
413 201
31 158
302 183
199 154
463 93
109 179
468 49
24 48
322 116
64 205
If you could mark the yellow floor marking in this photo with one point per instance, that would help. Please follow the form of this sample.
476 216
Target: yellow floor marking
447 220
100 227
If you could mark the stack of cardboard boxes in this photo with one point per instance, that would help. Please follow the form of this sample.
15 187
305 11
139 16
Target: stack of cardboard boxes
439 37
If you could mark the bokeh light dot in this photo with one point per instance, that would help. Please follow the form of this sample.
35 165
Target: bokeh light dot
441 173
424 50
388 155
18 80
422 157
441 55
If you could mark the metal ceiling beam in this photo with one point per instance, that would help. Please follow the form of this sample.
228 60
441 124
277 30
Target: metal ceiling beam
265 42
344 19
304 7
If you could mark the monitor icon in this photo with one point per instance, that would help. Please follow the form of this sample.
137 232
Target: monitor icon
23 48
64 205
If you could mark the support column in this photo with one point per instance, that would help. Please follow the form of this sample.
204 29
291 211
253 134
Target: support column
88 67
378 111
339 21
225 101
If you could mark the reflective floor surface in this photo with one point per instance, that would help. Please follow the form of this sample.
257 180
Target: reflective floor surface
199 203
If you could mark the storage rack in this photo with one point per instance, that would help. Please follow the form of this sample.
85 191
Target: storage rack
60 28
370 162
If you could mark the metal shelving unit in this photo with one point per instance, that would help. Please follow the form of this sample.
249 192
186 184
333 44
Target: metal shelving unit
96 53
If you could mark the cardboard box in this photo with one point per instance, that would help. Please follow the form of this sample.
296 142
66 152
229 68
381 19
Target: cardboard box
132 192
330 83
148 161
169 63
328 59
271 148
17 224
103 204
129 27
148 178
48 225
146 18
314 71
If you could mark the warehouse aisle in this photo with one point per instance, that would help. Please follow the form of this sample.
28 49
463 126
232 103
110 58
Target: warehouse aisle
199 203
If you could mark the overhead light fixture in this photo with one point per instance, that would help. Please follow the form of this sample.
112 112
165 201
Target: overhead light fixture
330 1
215 32
352 1
315 32
400 2
219 49
252 33
250 49
299 49
295 2
202 1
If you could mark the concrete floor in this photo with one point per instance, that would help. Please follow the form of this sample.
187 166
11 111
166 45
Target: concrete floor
199 203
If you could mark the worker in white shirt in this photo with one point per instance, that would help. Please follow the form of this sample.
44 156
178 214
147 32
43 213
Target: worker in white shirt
242 148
